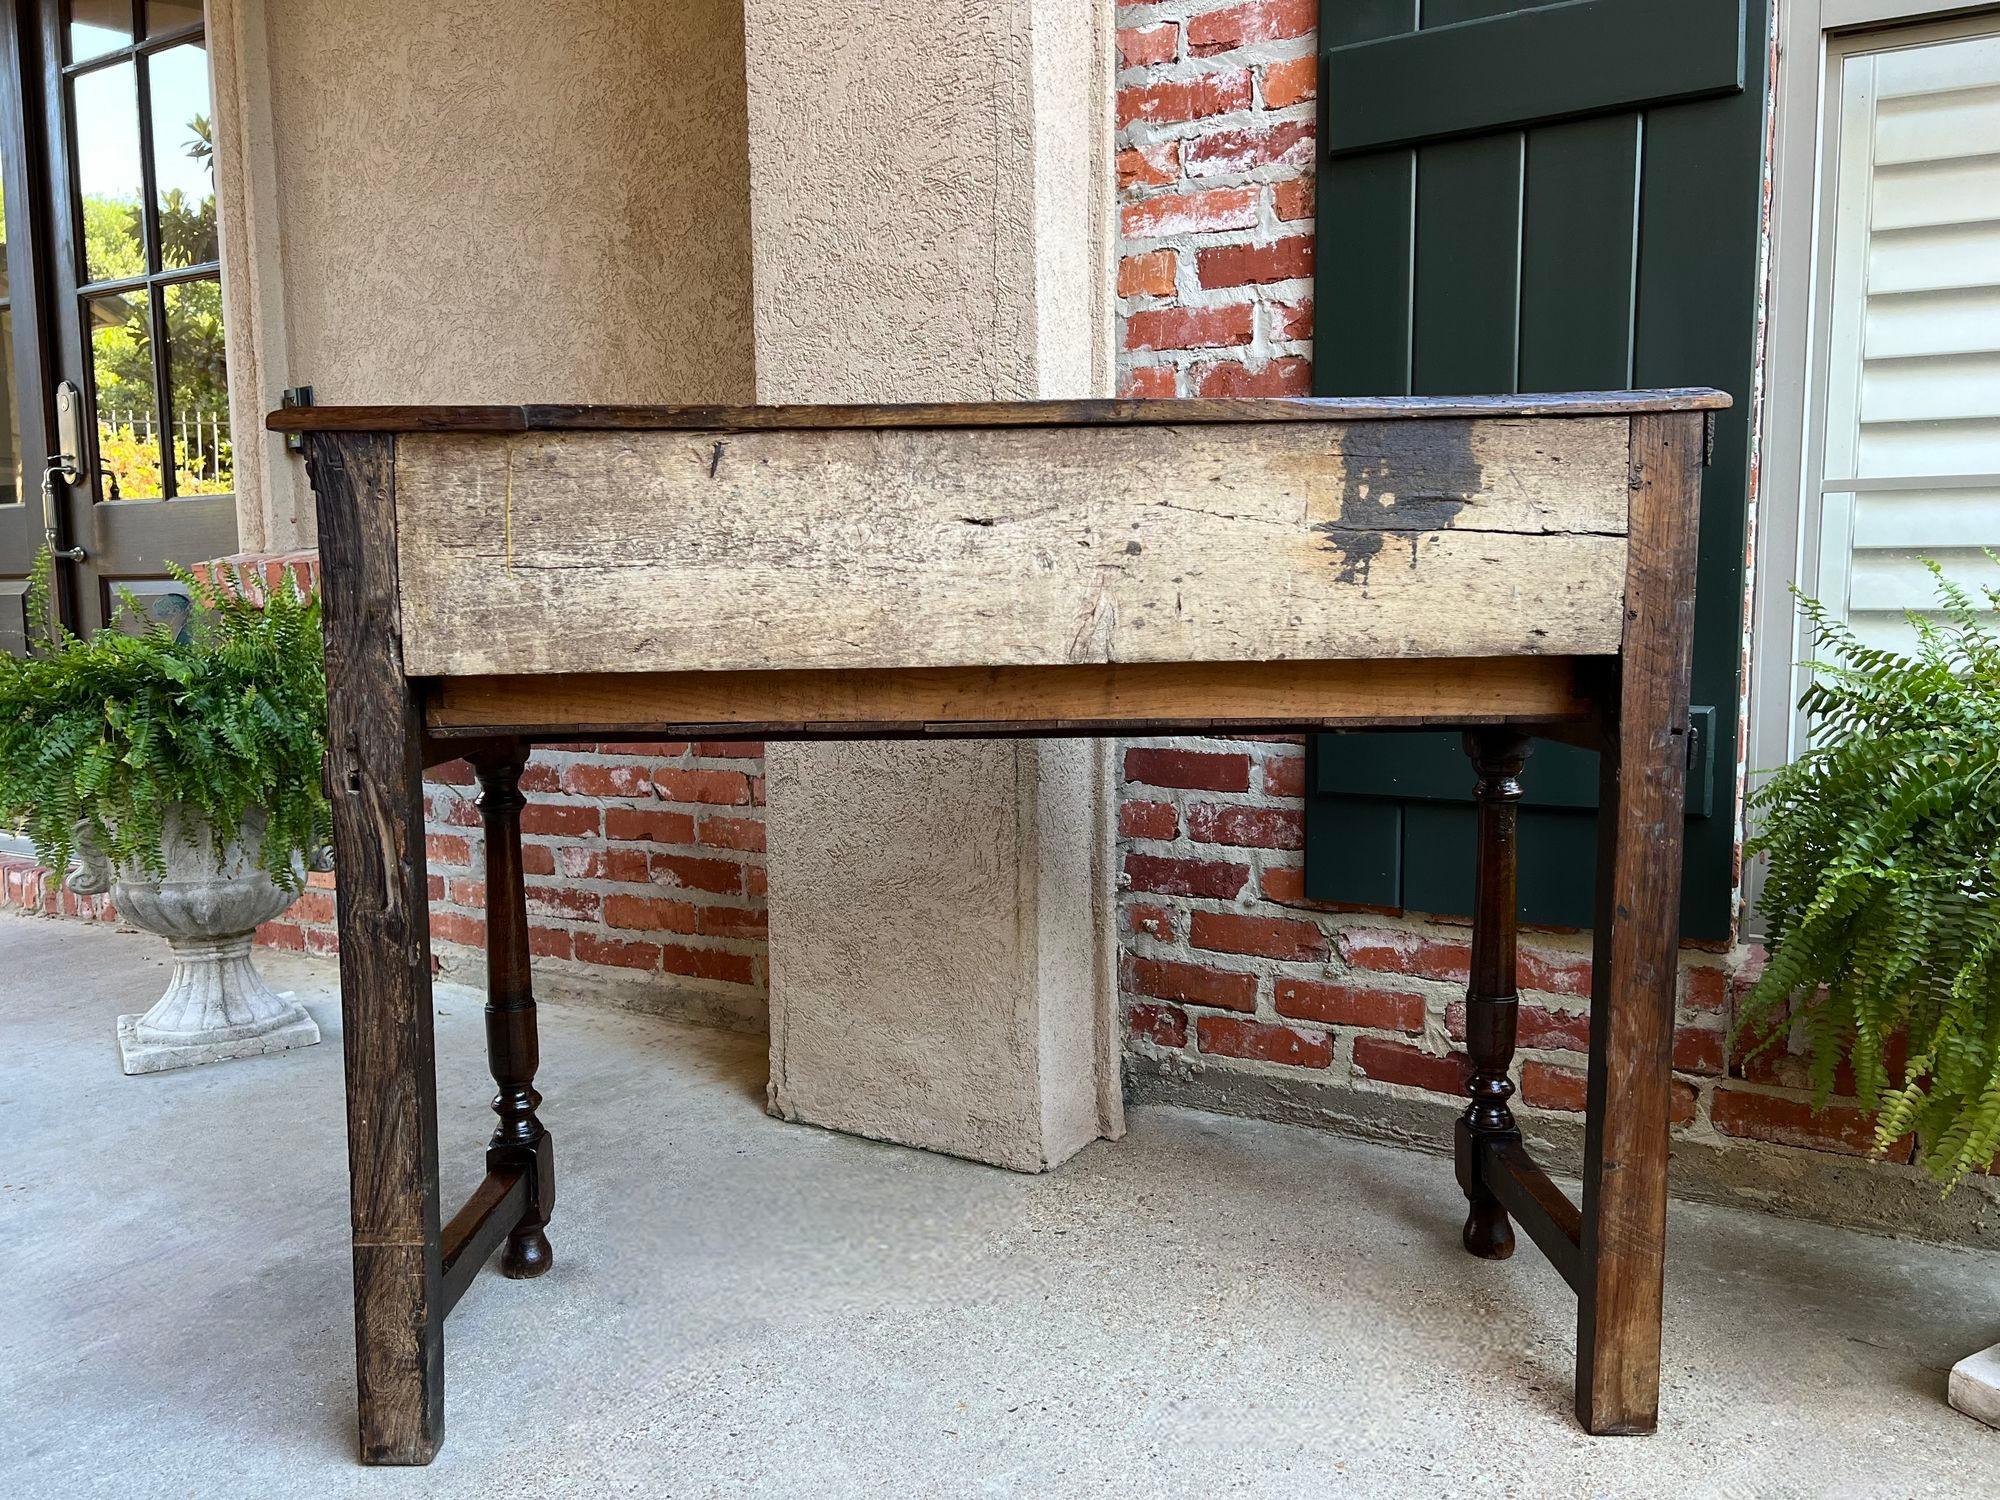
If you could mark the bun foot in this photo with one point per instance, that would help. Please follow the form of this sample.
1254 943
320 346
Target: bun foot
527 1255
1488 1234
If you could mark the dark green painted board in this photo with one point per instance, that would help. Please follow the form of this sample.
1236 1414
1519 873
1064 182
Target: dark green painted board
1637 259
1363 20
1466 332
1366 207
1580 261
1550 849
1529 65
1698 311
1433 768
1451 12
1362 850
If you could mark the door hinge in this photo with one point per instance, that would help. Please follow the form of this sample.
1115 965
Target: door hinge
1701 733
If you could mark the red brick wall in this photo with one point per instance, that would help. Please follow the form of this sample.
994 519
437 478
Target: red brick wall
641 860
1227 969
1215 148
28 888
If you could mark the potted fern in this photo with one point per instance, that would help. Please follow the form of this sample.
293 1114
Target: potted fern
1883 892
179 769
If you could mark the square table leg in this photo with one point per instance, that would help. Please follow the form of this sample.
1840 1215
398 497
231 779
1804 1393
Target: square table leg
1635 959
375 777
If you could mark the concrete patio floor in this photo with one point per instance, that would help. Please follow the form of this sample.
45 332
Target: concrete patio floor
743 1307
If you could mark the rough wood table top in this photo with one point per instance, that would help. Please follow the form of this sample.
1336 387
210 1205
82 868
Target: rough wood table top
572 418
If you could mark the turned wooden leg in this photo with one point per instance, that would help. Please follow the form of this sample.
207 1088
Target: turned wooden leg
513 1051
375 766
1642 790
1490 1000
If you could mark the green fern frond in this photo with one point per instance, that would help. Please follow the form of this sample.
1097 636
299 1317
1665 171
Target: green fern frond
119 729
1883 891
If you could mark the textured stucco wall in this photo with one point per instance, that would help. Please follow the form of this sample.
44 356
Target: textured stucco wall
930 195
493 202
931 198
932 957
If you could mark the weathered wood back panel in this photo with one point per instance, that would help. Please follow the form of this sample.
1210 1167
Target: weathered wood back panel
630 551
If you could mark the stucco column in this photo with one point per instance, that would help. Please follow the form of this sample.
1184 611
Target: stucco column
929 202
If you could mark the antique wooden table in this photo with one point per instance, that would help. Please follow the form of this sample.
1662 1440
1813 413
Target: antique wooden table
495 576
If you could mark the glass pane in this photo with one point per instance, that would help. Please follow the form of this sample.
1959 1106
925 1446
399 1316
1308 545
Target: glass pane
163 16
98 26
137 605
107 172
183 155
121 378
3 242
10 417
204 460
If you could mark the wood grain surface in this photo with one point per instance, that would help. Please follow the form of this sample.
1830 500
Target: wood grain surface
1025 546
1269 697
374 773
1635 949
551 417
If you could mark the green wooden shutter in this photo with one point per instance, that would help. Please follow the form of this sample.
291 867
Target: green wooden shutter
1519 196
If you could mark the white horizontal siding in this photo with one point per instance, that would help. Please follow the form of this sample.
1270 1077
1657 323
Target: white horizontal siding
1965 321
1913 380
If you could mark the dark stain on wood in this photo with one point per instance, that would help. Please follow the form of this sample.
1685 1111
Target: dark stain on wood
1436 473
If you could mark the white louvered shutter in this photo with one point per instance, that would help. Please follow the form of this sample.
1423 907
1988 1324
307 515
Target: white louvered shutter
1910 463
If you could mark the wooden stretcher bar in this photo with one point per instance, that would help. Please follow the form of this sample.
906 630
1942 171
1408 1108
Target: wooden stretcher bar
500 576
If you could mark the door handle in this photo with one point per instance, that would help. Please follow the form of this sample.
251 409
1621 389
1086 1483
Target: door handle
62 466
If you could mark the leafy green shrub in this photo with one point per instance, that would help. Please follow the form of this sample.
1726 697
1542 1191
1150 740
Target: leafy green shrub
117 729
1884 890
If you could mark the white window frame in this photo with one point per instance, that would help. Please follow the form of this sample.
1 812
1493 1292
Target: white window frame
1811 37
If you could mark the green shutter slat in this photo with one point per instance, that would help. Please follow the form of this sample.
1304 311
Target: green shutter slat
1700 217
1545 63
1344 21
1550 895
1361 347
1467 325
1452 12
1433 768
1357 846
1580 255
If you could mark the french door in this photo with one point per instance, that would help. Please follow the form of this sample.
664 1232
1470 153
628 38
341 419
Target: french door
120 451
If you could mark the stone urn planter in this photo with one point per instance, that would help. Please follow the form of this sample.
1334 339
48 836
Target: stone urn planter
212 899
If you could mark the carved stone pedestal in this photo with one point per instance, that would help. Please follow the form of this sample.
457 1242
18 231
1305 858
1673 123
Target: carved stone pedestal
216 1007
212 899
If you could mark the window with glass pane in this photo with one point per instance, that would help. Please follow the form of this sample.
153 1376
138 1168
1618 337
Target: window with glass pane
198 385
108 172
97 27
128 415
151 293
183 156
